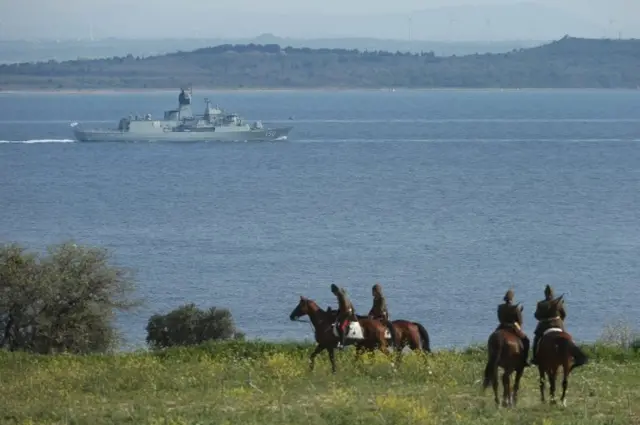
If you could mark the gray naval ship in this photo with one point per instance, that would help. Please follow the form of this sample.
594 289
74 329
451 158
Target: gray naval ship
181 125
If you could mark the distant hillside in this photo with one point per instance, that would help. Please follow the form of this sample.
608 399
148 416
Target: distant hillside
13 51
566 63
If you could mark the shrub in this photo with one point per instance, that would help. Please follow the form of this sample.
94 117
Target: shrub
64 302
189 325
620 334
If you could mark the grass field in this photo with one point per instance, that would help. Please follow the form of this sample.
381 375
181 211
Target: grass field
261 383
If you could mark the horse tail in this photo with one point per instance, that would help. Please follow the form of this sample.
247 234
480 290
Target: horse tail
490 371
579 357
424 335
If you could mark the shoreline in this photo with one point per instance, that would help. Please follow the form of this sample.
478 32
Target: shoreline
300 90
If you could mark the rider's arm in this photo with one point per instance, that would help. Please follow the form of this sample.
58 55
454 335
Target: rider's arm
536 315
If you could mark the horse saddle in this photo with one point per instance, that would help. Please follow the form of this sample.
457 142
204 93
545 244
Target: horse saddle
353 331
545 333
550 330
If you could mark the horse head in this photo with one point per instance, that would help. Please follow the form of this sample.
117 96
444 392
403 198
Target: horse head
302 309
305 307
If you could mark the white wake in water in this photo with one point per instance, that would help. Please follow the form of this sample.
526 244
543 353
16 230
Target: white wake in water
39 141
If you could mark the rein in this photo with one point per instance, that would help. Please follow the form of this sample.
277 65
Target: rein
307 321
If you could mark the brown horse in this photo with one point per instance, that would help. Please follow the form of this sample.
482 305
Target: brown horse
555 349
373 332
411 334
506 351
403 333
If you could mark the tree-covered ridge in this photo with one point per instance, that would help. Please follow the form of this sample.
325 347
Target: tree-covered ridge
566 63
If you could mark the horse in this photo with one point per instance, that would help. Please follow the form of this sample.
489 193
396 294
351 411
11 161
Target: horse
555 349
367 333
403 333
411 334
505 350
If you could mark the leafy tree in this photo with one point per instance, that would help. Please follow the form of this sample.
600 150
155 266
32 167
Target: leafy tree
189 325
569 62
64 302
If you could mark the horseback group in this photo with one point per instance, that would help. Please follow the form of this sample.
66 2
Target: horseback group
553 347
338 329
508 345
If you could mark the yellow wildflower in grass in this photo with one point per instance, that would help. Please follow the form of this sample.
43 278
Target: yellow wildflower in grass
284 367
276 387
409 410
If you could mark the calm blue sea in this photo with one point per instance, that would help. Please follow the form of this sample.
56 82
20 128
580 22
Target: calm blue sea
447 198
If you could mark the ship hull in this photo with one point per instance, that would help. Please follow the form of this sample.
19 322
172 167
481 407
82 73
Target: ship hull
97 135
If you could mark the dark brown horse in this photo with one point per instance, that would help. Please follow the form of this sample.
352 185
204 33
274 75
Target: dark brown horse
556 349
505 350
373 332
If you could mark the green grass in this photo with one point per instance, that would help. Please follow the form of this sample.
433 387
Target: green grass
260 383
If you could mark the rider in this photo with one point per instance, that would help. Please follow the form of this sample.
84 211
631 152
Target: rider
550 314
510 319
346 313
379 310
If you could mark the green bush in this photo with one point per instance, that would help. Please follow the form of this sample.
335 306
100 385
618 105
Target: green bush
64 302
188 325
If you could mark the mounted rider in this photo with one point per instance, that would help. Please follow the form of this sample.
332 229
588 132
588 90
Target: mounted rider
510 318
346 313
379 310
550 313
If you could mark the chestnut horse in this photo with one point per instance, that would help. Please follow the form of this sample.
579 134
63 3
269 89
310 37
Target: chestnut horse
555 349
373 332
404 333
411 334
505 350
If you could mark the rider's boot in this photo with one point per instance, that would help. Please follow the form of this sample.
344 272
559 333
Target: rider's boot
525 354
340 344
534 360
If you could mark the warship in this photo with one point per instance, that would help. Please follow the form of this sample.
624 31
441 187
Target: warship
181 125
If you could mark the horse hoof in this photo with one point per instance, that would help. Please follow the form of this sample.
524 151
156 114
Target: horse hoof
564 403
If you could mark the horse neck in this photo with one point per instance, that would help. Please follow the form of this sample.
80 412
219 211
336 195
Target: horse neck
316 314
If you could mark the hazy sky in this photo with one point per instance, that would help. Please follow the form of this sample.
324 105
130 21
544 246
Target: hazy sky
479 19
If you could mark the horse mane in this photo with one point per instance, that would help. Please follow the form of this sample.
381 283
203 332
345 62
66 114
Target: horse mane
319 309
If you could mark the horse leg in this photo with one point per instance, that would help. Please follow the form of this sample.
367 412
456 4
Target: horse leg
495 384
332 358
552 386
541 372
565 382
382 345
312 358
506 389
516 385
359 351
